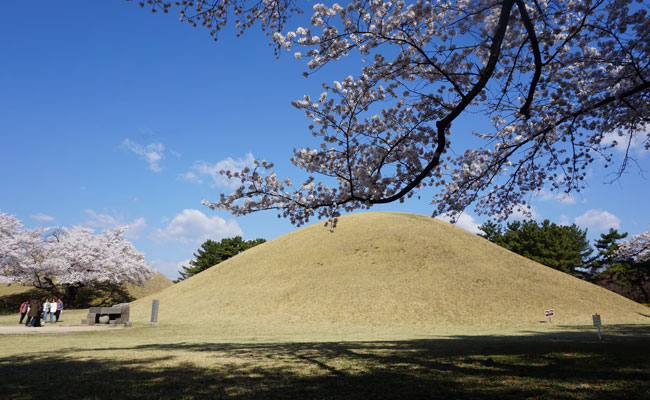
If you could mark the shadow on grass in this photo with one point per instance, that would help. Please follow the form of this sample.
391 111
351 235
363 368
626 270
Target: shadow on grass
543 365
100 294
10 303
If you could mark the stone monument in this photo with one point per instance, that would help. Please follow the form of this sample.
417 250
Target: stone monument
154 312
113 316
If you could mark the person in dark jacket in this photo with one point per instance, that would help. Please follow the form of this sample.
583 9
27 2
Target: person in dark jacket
59 308
34 314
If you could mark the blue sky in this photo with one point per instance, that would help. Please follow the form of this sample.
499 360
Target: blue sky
110 115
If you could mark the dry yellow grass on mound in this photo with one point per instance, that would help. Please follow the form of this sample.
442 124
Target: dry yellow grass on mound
384 273
155 285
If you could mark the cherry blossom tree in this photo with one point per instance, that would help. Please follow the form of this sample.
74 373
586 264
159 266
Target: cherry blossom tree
554 84
22 252
632 268
636 249
9 226
62 260
81 258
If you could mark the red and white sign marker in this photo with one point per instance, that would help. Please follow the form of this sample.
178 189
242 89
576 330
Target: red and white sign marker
549 314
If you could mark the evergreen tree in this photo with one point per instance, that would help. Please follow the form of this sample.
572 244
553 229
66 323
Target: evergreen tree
492 232
564 248
607 247
212 253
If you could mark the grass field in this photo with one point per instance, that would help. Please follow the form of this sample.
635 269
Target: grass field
192 362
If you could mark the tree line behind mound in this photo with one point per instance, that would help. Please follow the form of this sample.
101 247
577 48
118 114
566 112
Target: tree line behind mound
622 266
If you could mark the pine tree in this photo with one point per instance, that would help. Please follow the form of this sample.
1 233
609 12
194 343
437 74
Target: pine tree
212 253
492 232
607 247
564 248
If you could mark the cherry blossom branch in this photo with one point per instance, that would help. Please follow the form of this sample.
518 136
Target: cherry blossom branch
534 44
553 79
443 124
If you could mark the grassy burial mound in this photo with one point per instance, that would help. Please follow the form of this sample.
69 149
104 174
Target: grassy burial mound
155 285
387 273
12 295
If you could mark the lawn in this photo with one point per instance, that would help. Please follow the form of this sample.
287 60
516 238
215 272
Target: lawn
189 362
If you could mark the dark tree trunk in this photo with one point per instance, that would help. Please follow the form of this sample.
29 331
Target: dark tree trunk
641 285
70 295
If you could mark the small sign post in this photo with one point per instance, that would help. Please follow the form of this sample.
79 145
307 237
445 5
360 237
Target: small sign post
597 324
549 314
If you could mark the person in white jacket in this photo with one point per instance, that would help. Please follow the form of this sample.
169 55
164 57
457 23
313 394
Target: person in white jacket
46 309
53 308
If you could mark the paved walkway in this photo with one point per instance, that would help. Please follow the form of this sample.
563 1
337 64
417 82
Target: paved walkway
23 330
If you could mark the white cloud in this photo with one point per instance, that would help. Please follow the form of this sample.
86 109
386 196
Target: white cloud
561 197
598 220
636 144
566 198
136 228
151 153
40 217
194 226
106 221
190 177
464 221
103 221
169 268
564 220
203 168
520 211
524 212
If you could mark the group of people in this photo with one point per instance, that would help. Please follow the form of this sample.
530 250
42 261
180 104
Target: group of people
34 310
